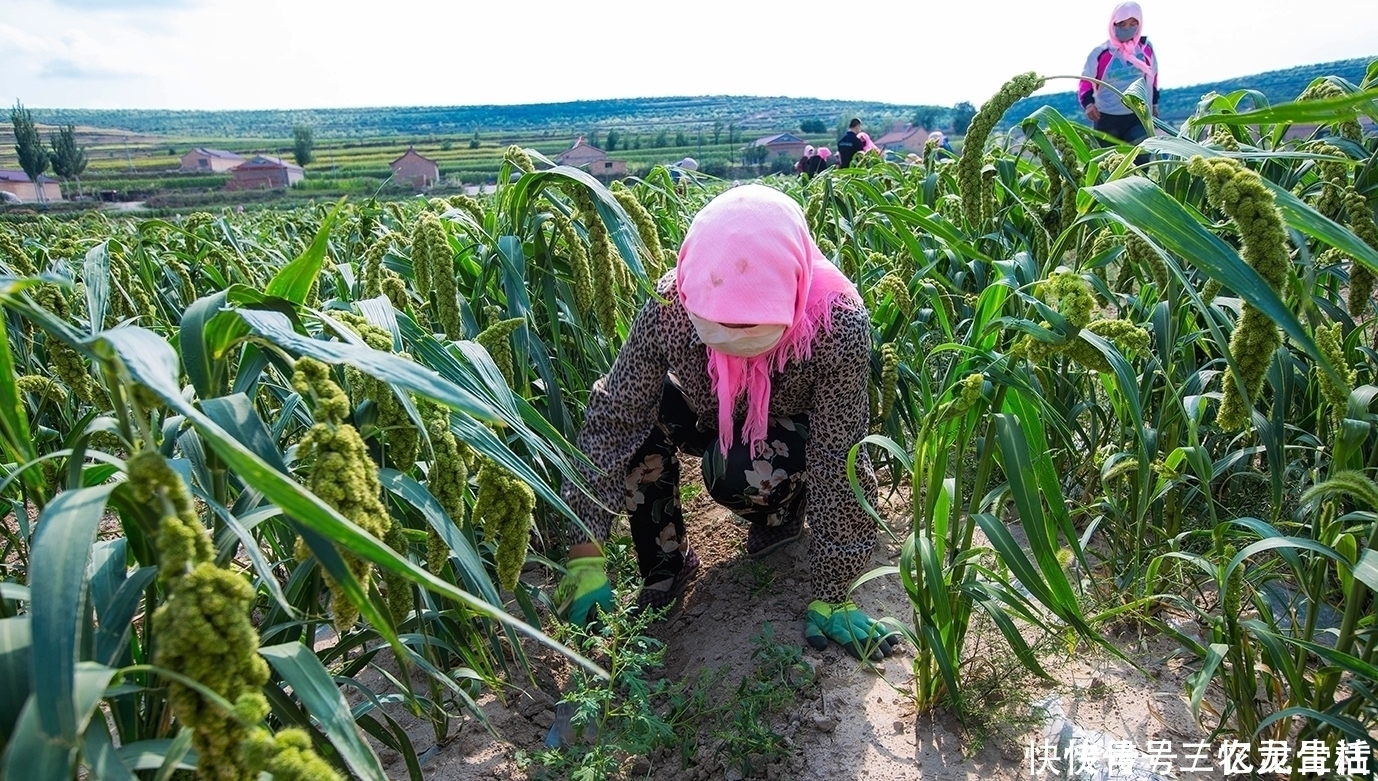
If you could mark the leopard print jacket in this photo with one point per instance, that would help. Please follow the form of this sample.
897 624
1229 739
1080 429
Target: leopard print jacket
831 386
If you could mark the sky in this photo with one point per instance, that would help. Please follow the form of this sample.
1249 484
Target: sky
283 54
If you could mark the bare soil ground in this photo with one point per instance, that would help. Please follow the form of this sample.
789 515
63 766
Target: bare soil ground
857 721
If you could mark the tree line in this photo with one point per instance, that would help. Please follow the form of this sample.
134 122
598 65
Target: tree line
63 154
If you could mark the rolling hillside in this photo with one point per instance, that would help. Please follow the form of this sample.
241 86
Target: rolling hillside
635 114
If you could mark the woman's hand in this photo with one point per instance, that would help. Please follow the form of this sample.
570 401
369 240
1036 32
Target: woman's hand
584 590
1093 113
846 625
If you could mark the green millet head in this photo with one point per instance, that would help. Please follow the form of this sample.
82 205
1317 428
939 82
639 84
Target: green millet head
395 288
449 472
973 147
182 540
519 159
399 591
1128 338
469 205
645 228
313 380
1241 194
398 435
343 475
496 340
293 758
503 509
889 379
204 633
12 252
430 253
41 386
893 287
1330 341
970 392
372 267
1361 278
1073 298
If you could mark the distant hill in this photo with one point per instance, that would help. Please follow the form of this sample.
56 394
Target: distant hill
630 114
771 113
1178 103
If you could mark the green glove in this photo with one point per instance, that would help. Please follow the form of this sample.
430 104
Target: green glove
584 587
850 628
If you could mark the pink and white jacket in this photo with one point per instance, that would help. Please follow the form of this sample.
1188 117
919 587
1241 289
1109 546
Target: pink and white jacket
1106 62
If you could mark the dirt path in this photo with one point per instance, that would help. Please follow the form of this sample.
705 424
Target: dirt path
854 722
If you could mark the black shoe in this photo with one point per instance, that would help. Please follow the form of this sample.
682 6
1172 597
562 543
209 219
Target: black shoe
762 539
660 598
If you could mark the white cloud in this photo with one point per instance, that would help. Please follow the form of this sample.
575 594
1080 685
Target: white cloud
123 5
65 68
310 53
15 39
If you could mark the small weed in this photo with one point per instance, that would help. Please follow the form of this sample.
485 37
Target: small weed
780 674
763 576
1097 690
628 715
689 490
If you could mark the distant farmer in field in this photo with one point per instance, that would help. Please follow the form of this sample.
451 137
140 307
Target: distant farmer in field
755 355
677 170
821 161
802 167
1123 59
849 144
867 145
940 141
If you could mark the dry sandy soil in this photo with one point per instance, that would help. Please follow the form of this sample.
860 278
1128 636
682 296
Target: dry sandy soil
856 721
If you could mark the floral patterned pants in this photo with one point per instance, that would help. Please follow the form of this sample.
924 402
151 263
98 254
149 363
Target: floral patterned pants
766 487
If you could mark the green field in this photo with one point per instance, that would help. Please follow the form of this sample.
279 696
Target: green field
257 463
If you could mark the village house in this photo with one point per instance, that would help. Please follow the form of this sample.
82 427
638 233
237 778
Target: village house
411 168
903 140
782 144
210 160
18 184
591 159
263 173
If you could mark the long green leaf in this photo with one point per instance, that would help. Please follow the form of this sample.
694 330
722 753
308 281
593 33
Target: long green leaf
99 754
16 645
152 754
149 360
470 567
294 280
317 691
206 370
1320 111
1303 217
414 377
14 421
33 756
1201 680
1366 571
1143 205
61 553
95 276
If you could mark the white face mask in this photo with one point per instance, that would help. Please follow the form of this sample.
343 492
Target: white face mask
741 342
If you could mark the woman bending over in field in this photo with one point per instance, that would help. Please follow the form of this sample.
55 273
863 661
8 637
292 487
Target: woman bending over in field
756 357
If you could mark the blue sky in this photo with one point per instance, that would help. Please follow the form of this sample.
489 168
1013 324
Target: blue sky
228 54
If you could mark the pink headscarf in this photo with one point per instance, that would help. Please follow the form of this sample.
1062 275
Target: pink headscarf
748 257
866 143
1129 50
824 152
